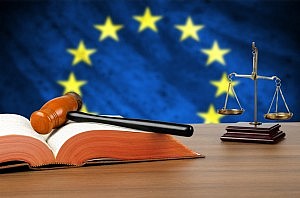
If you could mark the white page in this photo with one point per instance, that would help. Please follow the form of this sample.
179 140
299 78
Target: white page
13 124
58 137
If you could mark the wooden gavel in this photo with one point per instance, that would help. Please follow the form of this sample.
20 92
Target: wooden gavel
53 114
57 111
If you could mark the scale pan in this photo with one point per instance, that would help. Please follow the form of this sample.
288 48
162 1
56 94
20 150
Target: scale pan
230 111
278 116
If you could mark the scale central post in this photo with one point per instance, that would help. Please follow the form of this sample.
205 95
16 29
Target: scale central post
254 78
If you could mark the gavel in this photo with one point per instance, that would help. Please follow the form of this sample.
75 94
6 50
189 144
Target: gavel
58 111
53 114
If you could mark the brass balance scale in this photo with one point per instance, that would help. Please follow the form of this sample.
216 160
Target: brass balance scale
256 131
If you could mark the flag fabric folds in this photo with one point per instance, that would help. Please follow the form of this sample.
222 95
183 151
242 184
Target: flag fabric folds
160 60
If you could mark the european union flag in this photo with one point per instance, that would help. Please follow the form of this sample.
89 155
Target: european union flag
160 60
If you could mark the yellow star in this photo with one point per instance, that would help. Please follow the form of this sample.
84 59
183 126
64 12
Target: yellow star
108 29
85 110
222 85
81 54
215 54
189 30
148 20
211 116
72 84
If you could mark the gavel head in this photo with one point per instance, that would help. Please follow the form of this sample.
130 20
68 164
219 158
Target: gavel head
54 113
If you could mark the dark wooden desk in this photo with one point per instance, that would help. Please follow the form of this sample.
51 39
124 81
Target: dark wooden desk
229 170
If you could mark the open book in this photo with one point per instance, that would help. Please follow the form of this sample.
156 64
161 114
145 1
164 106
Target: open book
77 144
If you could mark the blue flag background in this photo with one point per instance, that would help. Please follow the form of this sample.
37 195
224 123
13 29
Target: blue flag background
152 73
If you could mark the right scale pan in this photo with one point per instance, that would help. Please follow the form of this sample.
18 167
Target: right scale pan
278 116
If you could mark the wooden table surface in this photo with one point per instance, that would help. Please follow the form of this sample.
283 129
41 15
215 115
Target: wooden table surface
230 169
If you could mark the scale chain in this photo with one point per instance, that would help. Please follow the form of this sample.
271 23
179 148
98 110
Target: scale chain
284 100
276 106
276 92
226 99
236 97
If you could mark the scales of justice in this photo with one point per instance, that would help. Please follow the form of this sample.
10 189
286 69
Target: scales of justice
255 131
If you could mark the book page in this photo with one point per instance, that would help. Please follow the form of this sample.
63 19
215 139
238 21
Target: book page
59 136
13 124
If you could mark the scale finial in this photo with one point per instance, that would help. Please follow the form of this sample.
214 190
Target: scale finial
253 45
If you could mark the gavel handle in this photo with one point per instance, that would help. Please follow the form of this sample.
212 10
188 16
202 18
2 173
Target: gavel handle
139 124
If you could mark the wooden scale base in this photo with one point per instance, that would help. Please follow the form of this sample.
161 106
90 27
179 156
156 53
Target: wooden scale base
265 133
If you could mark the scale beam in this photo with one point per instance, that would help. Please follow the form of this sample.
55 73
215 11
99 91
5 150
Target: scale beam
231 75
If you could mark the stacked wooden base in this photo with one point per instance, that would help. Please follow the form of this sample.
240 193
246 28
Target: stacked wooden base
265 133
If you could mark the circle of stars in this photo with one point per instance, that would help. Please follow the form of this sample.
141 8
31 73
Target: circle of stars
109 30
